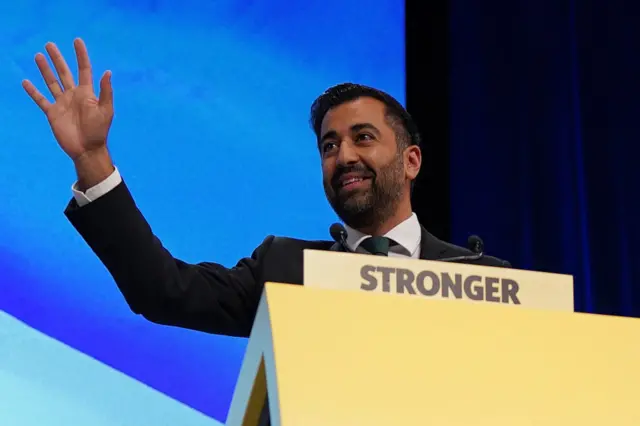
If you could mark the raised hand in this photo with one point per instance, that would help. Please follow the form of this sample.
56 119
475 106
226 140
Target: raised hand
80 121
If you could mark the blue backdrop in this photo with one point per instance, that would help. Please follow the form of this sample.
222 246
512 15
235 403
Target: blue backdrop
210 133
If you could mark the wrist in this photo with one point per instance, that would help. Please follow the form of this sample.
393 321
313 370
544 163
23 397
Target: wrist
92 167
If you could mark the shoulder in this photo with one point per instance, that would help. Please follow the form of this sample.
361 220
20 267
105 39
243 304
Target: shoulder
486 259
274 244
448 250
281 259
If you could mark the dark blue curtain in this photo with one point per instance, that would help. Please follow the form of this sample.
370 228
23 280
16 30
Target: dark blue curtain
545 140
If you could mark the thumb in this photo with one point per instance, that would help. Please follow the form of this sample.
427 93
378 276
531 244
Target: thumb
106 91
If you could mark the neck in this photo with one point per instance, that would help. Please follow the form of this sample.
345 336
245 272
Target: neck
402 213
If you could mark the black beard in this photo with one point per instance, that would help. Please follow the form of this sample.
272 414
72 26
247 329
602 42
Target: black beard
373 206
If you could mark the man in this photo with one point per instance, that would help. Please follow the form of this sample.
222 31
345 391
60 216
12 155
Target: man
370 155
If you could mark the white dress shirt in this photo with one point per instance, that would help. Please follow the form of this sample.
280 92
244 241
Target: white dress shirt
97 191
407 234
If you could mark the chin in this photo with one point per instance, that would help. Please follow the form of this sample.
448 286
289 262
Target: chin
354 200
356 205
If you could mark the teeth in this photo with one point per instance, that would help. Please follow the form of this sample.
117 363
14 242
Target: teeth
347 182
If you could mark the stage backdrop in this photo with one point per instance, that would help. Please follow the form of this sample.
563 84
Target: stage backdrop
210 132
545 109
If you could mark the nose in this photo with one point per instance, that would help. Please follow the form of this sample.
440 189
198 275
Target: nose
347 154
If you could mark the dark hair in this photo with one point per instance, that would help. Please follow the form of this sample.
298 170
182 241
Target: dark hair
397 116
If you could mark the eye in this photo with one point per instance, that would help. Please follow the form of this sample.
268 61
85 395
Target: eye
364 137
328 146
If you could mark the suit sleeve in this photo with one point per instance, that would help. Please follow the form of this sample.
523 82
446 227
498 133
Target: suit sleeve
205 296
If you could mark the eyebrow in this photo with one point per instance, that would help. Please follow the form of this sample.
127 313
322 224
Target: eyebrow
354 129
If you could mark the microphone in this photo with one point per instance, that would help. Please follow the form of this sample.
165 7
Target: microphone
475 244
339 235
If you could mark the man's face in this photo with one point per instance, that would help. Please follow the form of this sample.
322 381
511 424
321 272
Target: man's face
363 170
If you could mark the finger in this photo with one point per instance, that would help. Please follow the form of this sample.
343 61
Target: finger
49 77
64 73
84 65
106 91
35 94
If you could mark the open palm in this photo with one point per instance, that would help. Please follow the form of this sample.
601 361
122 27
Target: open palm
80 121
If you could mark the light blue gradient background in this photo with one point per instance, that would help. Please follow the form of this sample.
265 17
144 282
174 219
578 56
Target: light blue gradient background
211 133
44 382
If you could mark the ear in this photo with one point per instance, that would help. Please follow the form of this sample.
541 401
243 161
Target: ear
412 161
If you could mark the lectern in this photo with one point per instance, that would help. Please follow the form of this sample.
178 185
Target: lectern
343 356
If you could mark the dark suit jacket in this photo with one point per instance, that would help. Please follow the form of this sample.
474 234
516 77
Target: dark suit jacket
204 296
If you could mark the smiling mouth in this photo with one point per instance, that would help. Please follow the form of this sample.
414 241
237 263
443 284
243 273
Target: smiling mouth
353 183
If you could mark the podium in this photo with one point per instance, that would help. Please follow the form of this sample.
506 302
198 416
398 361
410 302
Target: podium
345 356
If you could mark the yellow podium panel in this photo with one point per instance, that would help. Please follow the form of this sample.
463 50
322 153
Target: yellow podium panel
350 358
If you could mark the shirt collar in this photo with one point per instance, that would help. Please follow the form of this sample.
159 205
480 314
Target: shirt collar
407 234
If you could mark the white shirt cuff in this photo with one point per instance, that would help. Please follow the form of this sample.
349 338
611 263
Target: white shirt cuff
97 191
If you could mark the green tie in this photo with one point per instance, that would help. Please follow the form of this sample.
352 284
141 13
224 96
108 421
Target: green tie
376 245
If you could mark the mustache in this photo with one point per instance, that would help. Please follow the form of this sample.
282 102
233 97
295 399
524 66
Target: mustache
356 168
